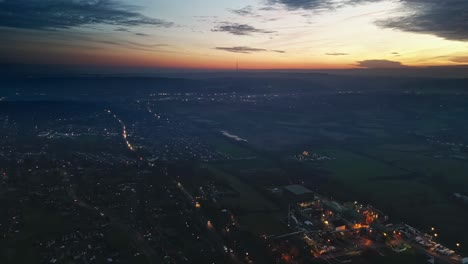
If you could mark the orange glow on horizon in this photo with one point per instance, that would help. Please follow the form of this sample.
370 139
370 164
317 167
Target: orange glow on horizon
124 58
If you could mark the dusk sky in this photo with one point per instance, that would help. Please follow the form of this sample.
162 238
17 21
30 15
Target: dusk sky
214 34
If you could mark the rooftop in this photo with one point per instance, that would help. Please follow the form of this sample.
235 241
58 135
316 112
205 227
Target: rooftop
298 189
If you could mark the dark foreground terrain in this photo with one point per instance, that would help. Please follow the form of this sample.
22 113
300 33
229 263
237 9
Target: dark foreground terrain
260 168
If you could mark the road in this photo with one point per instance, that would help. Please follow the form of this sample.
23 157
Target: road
124 131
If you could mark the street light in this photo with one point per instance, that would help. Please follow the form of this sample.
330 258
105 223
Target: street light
458 244
435 235
432 229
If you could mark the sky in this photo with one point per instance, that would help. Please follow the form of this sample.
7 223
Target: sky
255 34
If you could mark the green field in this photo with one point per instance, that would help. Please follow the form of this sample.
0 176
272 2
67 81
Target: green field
229 148
410 256
405 182
419 159
254 211
249 199
264 223
352 167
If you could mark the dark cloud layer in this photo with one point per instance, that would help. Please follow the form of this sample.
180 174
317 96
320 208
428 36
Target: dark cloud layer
239 29
380 64
246 50
60 14
317 5
304 4
444 18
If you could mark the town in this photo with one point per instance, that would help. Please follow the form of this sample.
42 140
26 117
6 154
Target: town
227 176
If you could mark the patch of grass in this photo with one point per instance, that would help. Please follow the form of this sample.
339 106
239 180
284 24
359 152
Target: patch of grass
264 223
408 257
422 201
249 199
353 168
405 147
229 148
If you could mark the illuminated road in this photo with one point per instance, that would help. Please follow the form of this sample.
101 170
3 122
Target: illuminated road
212 232
124 132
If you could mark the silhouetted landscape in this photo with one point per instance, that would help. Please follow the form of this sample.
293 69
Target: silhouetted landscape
231 132
209 169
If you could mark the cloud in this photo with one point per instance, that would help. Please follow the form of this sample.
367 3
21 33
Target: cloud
268 8
121 29
303 4
245 11
240 49
316 5
379 64
336 54
239 29
136 45
444 18
64 14
247 50
447 19
461 59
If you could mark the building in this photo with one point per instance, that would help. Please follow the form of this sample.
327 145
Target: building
298 193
